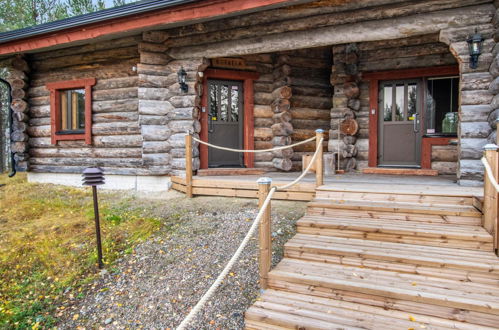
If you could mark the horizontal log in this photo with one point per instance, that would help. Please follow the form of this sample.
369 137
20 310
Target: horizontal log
98 56
309 113
263 134
444 153
313 91
311 102
115 94
263 145
311 124
445 168
85 161
264 156
113 83
262 111
283 92
388 28
114 117
154 58
123 105
116 128
157 81
86 152
408 62
263 122
39 131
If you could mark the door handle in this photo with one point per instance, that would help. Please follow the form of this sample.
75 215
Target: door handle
415 123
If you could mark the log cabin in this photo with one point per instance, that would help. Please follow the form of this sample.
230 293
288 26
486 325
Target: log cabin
103 89
401 87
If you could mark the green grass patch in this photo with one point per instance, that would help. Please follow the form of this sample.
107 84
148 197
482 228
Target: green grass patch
47 245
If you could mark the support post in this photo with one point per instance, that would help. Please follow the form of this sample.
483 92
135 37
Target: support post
491 196
319 171
188 165
265 238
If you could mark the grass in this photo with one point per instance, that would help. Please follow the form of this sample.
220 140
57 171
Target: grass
47 245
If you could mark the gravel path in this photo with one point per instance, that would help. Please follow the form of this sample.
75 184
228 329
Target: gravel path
156 285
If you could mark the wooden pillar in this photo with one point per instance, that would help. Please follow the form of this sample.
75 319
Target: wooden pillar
491 196
265 238
188 165
319 171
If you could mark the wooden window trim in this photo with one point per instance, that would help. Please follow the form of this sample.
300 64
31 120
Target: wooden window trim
55 88
427 146
248 125
374 79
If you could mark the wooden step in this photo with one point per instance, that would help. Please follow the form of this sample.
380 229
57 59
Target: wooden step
411 208
459 265
474 303
288 310
431 234
329 210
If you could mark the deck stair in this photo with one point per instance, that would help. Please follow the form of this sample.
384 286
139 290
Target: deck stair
384 258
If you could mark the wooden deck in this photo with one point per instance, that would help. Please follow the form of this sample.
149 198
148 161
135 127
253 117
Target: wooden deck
385 256
246 186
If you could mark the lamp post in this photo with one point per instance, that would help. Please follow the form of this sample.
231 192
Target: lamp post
93 176
475 48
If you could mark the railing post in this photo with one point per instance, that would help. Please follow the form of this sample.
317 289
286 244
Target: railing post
490 195
188 165
265 238
319 171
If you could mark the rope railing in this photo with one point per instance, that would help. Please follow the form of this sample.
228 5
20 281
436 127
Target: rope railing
253 150
263 215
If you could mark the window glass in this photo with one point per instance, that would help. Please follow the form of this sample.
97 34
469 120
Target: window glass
213 104
412 97
442 106
234 103
72 107
399 102
387 103
224 102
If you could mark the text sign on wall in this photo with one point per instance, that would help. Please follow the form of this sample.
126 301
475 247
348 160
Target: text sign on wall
230 63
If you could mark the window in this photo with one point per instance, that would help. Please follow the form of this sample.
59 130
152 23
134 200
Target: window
71 110
399 100
442 106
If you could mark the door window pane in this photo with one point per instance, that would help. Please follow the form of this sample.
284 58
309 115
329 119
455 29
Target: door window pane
72 109
224 102
411 101
399 103
213 104
234 103
387 103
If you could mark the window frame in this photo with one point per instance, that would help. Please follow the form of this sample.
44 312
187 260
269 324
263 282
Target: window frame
55 89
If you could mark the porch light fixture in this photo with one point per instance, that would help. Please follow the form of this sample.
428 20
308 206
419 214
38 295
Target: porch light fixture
475 47
182 75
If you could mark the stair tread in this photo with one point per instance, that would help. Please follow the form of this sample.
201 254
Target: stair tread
288 309
440 257
462 210
453 191
439 230
413 287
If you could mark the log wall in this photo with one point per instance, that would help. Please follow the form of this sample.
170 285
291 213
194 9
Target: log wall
116 134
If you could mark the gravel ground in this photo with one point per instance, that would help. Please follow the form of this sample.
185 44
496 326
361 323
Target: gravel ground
155 286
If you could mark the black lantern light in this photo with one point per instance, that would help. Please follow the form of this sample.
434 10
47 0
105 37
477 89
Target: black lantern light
182 75
475 47
93 176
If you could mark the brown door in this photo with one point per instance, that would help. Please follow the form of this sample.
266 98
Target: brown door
225 122
399 141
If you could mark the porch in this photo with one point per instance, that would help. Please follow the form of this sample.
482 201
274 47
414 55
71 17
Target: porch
247 187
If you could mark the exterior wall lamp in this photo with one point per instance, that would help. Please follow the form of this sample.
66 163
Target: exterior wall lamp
182 75
475 47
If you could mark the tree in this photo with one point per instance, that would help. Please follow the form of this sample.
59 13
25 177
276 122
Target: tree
17 14
80 7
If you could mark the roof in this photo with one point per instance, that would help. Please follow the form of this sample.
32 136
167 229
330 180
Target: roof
127 19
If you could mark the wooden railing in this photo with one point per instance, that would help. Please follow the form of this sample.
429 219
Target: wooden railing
491 193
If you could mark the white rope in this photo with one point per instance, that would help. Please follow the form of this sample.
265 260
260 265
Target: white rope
488 170
229 265
312 161
255 151
208 294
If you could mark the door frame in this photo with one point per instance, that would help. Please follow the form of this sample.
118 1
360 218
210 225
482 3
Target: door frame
375 77
248 123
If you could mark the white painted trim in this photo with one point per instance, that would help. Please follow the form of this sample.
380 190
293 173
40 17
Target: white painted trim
115 182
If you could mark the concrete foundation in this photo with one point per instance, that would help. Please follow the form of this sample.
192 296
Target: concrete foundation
115 182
